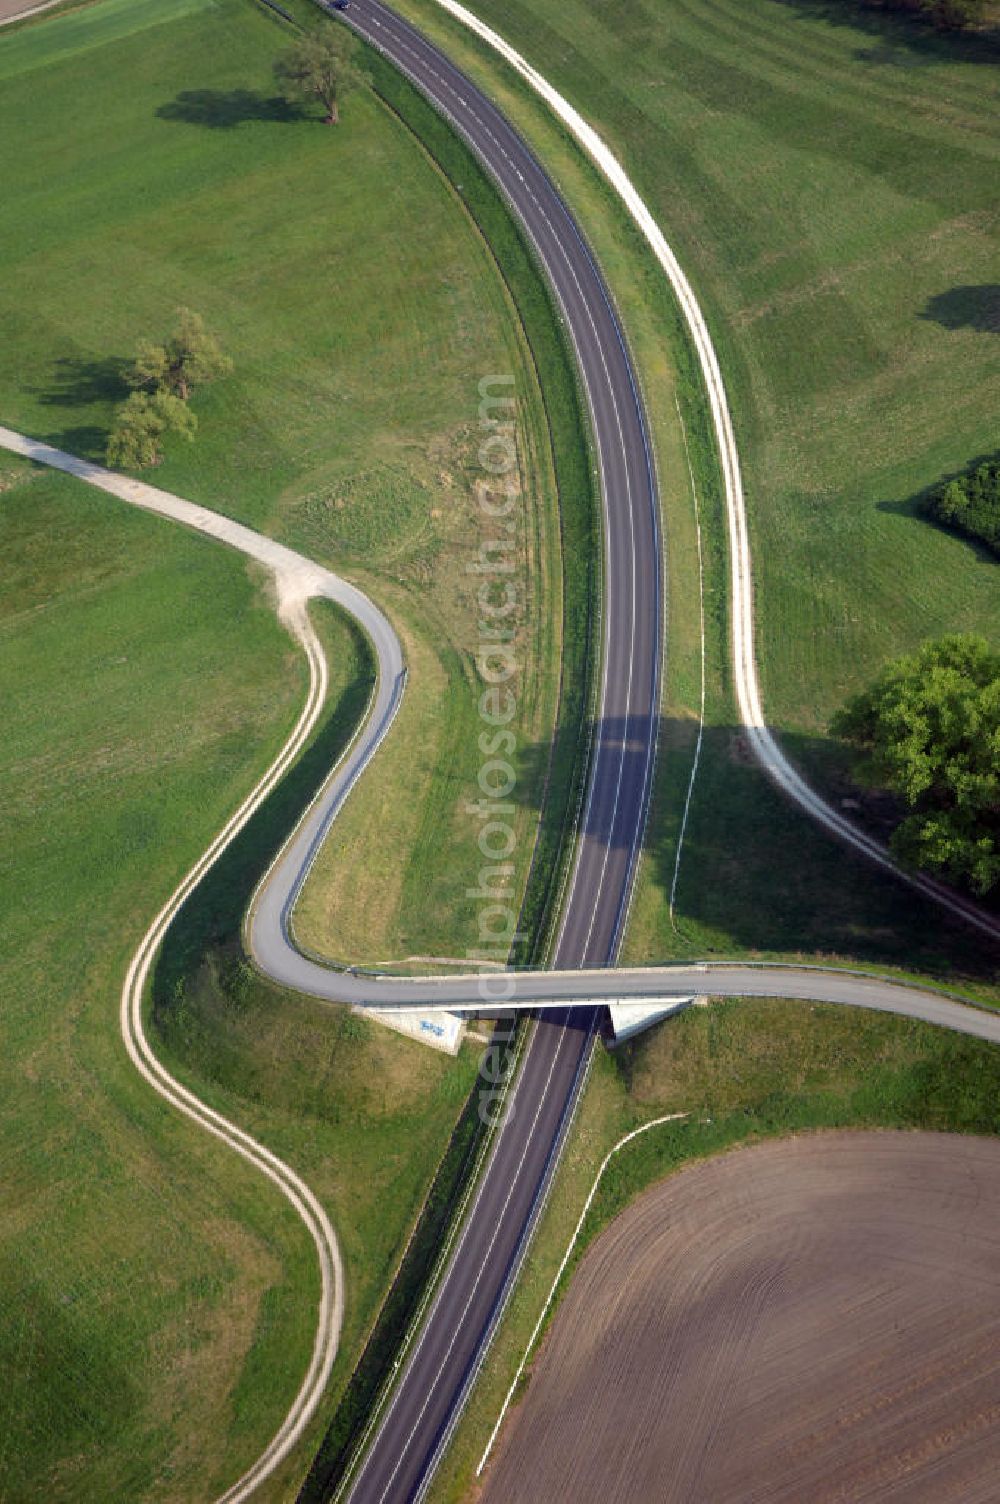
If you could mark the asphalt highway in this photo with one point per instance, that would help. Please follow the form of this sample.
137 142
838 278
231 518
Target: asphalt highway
429 1395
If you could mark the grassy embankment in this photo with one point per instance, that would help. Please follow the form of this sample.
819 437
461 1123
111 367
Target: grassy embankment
553 780
759 1067
152 168
826 187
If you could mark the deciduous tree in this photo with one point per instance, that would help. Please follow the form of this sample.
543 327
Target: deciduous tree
929 729
971 504
140 423
191 357
319 66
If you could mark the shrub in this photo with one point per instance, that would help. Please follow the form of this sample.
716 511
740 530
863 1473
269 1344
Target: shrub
971 504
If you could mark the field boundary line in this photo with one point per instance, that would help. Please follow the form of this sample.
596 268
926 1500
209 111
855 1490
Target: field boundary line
627 1138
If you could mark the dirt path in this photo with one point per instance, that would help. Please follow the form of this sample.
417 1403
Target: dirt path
814 1319
296 580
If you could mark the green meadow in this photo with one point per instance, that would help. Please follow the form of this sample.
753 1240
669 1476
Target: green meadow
826 176
361 307
156 1298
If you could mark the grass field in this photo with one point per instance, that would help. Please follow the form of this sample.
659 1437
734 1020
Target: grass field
146 682
742 1071
434 841
829 189
130 729
361 309
153 168
154 1364
823 254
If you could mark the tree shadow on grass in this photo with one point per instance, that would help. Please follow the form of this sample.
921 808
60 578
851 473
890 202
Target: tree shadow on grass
966 308
82 381
223 109
86 440
758 876
902 39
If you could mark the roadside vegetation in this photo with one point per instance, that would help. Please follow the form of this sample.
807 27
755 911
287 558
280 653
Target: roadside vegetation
561 610
741 1071
851 295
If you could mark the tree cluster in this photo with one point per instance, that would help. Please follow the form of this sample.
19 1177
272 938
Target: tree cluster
929 730
162 378
971 504
947 15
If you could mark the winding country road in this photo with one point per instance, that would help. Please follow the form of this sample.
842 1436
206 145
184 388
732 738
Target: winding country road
442 1365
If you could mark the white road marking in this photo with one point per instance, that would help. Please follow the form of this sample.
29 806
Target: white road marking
671 1117
299 579
482 1269
701 712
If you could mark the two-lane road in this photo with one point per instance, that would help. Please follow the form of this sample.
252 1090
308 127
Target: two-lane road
436 1378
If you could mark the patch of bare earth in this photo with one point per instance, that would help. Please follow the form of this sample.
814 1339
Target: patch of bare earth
11 9
811 1319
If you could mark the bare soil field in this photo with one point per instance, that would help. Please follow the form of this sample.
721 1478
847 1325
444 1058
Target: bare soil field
813 1319
9 9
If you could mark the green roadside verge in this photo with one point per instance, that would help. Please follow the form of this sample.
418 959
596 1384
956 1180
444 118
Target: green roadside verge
551 769
566 774
424 1262
238 1040
568 433
803 897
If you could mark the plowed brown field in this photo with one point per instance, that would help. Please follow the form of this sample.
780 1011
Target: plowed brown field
811 1321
